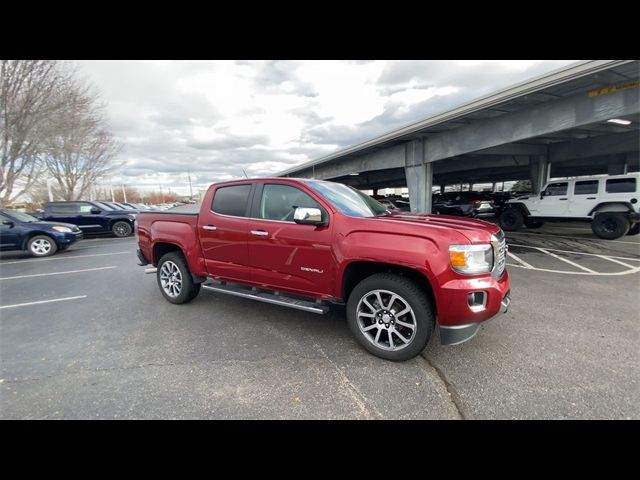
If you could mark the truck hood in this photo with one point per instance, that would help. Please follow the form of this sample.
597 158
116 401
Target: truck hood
477 231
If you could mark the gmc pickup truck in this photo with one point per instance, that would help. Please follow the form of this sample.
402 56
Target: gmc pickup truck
308 244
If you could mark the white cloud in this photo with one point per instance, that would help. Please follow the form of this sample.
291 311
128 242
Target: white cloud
216 117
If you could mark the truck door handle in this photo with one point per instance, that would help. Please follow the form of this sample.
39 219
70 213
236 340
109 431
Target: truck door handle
591 198
563 199
209 227
259 233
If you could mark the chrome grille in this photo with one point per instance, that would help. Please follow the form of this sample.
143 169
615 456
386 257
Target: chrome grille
499 243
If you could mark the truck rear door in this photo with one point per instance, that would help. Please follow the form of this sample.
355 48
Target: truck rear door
223 228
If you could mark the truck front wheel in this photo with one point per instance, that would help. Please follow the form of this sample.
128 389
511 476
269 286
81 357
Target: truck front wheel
390 316
610 225
174 279
42 246
511 220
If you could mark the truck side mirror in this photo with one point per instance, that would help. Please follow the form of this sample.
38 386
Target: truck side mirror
542 194
95 210
308 216
8 223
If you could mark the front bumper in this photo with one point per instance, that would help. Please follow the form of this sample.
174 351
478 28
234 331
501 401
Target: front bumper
66 239
457 334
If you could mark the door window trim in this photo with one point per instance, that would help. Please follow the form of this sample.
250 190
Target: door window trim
257 199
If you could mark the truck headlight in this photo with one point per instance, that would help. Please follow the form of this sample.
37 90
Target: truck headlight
471 259
62 229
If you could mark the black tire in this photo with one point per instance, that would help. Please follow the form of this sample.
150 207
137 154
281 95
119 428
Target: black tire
511 219
188 288
41 246
532 223
412 295
121 229
634 230
610 225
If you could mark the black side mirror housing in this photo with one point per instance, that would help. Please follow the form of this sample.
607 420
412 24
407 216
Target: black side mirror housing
8 223
95 210
542 194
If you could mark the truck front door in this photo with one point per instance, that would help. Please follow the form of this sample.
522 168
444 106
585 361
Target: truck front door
283 254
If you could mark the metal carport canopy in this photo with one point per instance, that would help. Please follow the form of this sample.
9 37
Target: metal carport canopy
546 110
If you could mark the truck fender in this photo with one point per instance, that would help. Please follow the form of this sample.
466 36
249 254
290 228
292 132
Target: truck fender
611 207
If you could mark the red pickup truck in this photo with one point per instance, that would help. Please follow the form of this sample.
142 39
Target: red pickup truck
307 244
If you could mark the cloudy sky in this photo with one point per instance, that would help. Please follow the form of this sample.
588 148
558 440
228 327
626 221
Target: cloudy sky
215 118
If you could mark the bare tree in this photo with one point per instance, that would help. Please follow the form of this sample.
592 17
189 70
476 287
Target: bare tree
27 104
80 149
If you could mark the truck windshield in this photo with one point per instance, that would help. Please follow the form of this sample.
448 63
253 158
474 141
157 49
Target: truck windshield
348 200
23 217
104 206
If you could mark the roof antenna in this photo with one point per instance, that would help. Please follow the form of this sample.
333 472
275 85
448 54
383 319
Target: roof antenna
245 173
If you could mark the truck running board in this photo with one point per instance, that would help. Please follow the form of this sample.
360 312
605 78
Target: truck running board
261 296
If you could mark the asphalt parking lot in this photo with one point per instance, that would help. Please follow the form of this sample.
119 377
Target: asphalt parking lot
86 334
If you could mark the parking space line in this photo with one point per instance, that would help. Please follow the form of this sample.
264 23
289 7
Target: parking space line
566 236
615 261
577 253
566 260
518 259
57 273
63 257
626 272
43 301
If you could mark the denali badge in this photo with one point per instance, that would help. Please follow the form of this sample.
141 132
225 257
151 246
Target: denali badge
314 270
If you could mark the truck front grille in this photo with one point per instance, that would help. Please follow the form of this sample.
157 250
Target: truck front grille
499 243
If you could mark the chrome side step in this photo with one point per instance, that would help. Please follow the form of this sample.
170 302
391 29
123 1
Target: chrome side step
254 294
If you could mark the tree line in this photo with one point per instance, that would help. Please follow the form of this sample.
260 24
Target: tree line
53 128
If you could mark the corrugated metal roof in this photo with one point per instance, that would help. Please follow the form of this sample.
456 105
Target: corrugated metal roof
566 81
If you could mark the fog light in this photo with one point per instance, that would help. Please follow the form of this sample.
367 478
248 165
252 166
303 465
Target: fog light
477 301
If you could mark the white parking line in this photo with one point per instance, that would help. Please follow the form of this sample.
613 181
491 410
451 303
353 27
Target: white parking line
565 260
43 301
57 273
611 259
566 236
577 253
518 259
67 257
626 272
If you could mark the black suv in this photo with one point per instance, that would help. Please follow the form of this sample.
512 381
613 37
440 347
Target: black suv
91 217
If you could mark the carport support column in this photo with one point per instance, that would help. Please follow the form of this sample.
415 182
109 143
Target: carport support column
539 170
617 164
419 177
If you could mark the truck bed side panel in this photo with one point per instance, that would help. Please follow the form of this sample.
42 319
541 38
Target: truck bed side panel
177 229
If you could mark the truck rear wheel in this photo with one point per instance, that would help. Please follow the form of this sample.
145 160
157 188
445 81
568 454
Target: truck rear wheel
390 316
175 280
511 219
610 225
532 223
121 229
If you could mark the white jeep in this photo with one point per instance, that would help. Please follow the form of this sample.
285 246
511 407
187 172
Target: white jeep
610 203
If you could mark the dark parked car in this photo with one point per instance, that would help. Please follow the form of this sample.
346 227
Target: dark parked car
463 204
92 217
395 204
19 231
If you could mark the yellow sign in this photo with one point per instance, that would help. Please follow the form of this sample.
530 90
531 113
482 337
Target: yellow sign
616 88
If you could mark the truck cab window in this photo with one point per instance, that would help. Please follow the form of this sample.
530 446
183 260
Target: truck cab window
279 202
231 200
